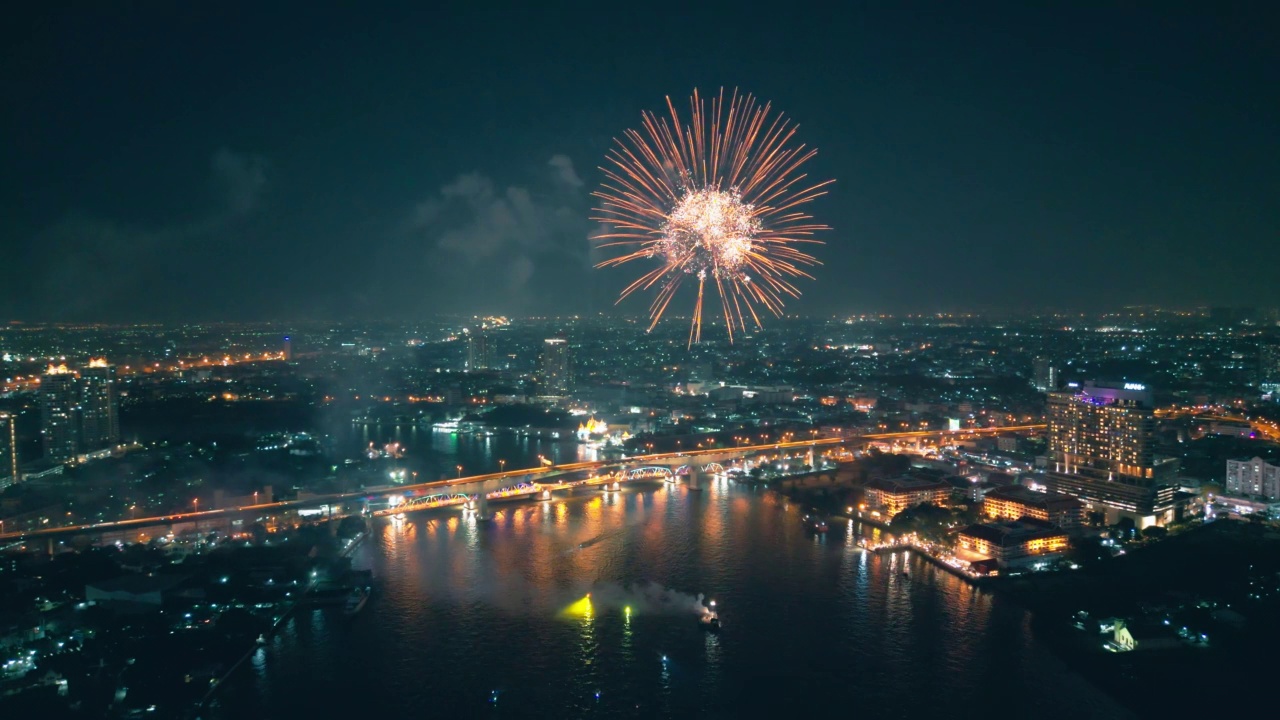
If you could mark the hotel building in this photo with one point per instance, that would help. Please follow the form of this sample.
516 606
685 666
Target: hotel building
1013 542
1101 447
892 496
1016 501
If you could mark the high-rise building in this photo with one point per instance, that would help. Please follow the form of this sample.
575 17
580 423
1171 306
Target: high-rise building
1102 448
9 473
1255 477
1103 427
99 407
1269 366
1044 375
479 353
59 414
287 349
557 367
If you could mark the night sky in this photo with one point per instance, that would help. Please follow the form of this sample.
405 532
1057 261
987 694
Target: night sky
293 162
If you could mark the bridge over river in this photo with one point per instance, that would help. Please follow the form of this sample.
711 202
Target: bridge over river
478 490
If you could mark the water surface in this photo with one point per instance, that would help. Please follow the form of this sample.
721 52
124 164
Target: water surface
470 621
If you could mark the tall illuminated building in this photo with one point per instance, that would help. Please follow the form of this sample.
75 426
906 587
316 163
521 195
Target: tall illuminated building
479 352
1269 366
59 414
99 406
557 367
1044 375
1102 448
9 473
287 350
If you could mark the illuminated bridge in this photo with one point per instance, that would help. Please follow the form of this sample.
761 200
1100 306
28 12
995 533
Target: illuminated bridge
651 472
461 490
714 468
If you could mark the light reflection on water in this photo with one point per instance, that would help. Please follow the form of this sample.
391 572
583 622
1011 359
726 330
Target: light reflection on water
466 608
435 454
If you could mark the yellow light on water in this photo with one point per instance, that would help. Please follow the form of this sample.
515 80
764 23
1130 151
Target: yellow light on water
581 608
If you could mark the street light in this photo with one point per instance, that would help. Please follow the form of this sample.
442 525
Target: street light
459 472
502 465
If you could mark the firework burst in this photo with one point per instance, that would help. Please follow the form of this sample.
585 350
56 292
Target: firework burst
717 201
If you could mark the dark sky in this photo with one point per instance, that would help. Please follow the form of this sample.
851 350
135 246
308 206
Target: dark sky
287 160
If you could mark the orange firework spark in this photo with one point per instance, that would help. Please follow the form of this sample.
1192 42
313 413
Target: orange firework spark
717 200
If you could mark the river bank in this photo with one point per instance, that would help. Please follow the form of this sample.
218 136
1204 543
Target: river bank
1212 578
346 547
1205 565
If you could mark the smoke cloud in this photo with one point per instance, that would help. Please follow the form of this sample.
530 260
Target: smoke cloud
484 244
648 599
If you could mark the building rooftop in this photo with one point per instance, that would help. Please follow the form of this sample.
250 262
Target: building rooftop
1001 478
1012 532
906 484
1026 496
1268 456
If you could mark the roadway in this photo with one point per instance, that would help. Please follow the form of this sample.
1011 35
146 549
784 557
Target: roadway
440 485
1267 428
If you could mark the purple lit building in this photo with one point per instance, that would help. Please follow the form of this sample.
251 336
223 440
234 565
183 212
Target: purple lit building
1101 446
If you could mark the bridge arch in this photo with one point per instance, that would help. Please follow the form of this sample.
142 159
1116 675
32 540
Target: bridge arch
650 472
714 467
517 489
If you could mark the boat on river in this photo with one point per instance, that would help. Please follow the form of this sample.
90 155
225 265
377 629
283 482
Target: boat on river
356 601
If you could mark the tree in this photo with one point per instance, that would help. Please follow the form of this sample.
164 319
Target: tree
967 513
1088 552
259 533
880 464
1154 532
925 520
350 526
1126 528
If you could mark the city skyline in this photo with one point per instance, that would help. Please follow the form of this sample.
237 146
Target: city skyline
1014 157
565 456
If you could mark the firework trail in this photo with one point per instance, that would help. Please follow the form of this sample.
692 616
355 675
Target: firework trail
718 200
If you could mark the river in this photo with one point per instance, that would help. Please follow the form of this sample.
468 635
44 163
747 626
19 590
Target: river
487 619
435 454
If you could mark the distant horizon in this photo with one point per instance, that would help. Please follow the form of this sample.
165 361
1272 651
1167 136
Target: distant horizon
668 320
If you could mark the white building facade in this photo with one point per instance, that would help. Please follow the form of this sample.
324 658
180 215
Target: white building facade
1255 477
